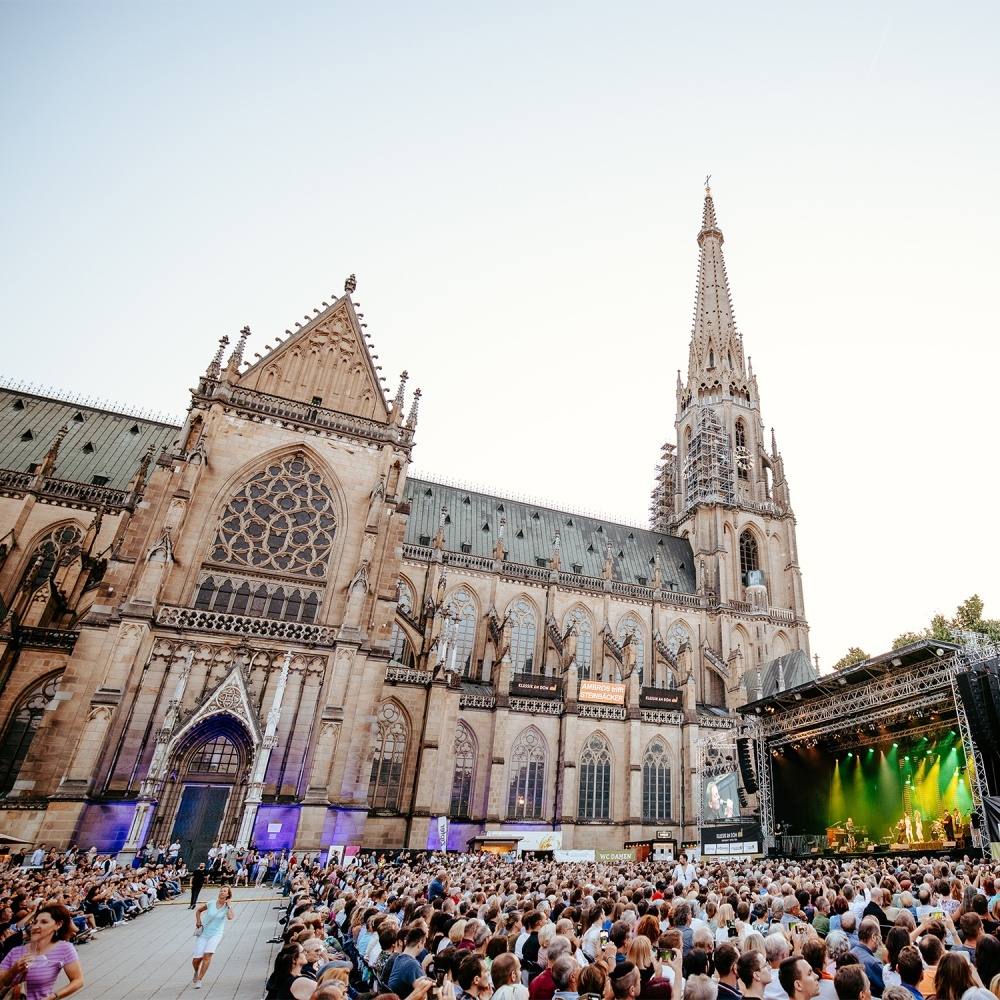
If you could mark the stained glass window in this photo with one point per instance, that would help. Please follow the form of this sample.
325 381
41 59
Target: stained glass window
24 723
522 636
527 777
385 786
465 773
463 607
595 779
215 756
655 783
282 520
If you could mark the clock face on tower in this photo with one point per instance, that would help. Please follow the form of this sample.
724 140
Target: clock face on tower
743 458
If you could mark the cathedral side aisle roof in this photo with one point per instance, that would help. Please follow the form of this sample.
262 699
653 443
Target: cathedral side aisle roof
100 445
473 520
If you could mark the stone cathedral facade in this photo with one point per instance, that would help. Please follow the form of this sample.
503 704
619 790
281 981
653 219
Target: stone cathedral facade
258 627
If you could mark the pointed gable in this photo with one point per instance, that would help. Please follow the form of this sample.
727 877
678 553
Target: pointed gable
326 363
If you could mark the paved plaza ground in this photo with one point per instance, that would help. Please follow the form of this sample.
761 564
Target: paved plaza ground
151 956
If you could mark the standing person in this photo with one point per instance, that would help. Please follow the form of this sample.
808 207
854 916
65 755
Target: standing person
684 871
754 973
37 963
197 884
209 932
798 978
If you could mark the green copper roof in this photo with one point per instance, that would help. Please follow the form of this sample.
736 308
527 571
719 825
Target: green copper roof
100 445
473 520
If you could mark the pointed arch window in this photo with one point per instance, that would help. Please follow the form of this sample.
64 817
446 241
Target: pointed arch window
742 453
283 521
58 547
463 607
584 641
522 636
465 773
749 556
400 650
595 779
386 783
630 625
527 777
24 722
217 756
655 783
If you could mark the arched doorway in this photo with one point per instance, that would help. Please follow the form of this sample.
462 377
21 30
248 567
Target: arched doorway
207 786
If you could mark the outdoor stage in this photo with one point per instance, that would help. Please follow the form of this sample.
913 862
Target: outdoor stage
870 743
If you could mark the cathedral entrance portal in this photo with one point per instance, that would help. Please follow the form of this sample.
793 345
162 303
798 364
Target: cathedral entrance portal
204 797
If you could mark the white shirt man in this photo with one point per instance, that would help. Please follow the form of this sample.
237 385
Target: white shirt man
684 871
38 857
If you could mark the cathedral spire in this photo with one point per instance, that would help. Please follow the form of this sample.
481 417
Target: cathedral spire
715 358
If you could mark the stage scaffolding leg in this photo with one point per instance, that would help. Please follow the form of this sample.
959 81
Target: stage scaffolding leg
974 758
764 785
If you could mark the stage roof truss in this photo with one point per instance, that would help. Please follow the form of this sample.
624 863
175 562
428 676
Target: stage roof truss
935 702
914 659
924 687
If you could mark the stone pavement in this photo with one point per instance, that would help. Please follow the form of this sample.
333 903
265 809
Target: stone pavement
151 955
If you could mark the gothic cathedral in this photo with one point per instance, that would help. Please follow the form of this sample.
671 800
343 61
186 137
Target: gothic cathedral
257 627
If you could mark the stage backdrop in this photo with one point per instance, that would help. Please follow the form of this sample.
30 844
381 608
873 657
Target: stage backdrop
817 787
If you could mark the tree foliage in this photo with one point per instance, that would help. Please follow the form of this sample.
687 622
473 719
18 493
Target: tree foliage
854 655
968 618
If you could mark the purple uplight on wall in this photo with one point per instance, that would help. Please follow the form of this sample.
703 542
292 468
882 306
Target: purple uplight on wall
104 826
275 826
459 835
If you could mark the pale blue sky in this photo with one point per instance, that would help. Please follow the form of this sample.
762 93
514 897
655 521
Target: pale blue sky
518 188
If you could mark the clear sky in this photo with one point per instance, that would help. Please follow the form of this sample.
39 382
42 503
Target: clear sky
518 188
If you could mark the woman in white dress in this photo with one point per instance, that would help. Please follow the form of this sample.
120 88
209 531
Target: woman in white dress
909 827
918 826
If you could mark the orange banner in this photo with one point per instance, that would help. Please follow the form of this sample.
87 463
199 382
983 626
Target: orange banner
610 694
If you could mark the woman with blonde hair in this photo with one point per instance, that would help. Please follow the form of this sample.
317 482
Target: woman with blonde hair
640 954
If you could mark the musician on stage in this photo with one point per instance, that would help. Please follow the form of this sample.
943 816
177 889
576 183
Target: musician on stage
901 831
849 830
949 826
918 826
908 826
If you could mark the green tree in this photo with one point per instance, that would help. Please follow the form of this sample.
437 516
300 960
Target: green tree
852 656
907 637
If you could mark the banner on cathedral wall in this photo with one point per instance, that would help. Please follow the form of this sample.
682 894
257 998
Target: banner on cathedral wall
540 840
573 856
665 698
608 694
443 832
534 686
615 857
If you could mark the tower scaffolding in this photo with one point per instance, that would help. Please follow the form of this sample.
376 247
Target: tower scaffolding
708 470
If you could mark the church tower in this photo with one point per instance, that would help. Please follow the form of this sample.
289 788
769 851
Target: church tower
723 487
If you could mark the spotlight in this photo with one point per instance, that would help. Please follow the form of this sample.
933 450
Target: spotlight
895 746
850 755
906 758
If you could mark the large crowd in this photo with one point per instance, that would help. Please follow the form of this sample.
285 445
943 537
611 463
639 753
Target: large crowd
473 926
463 927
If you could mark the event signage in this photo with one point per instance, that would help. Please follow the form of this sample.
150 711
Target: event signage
534 686
666 698
615 857
731 838
609 694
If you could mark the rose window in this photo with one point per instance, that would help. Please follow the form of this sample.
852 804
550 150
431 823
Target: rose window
282 520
